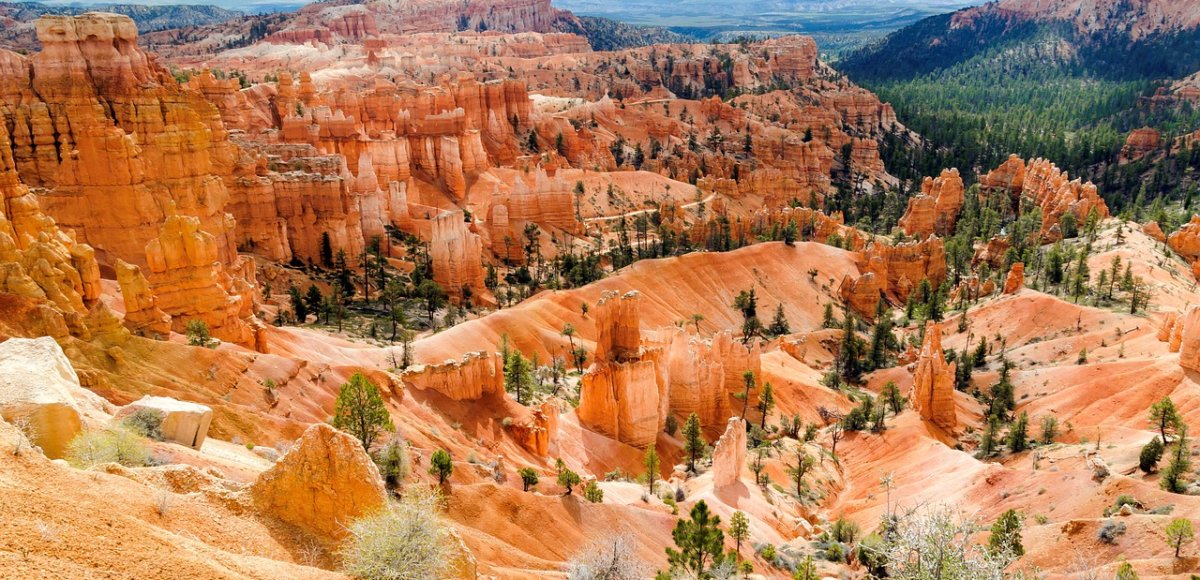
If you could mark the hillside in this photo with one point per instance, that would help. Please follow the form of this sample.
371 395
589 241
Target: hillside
434 289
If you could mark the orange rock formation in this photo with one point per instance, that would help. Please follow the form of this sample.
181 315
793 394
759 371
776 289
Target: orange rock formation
729 454
323 483
1015 279
933 381
936 208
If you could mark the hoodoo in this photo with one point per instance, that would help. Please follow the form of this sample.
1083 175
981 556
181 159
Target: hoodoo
933 381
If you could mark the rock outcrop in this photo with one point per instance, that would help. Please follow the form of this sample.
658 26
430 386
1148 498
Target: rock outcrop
183 422
1152 229
1049 188
113 137
538 433
862 294
729 454
457 255
1015 279
623 393
38 260
191 283
40 392
1140 143
901 268
322 484
143 317
1189 339
477 374
935 210
933 381
1186 243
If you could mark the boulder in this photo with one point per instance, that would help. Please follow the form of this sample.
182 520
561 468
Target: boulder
40 392
322 484
182 422
729 454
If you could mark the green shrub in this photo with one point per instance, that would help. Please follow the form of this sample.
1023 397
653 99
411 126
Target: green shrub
117 445
145 422
405 540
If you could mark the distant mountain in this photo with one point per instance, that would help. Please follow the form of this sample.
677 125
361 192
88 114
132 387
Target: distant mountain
1110 38
708 19
608 34
17 30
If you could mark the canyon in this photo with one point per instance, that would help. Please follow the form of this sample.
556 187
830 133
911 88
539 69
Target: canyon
544 259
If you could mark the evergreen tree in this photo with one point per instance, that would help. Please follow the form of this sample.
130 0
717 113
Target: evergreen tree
529 478
700 542
326 250
779 324
359 411
1006 535
693 440
299 308
313 299
441 465
1018 438
892 397
650 462
766 401
593 493
568 479
739 530
1181 464
987 443
849 357
1164 417
1151 454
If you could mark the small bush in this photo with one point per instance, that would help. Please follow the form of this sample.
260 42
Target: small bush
406 540
593 493
1110 530
118 445
392 461
198 334
145 422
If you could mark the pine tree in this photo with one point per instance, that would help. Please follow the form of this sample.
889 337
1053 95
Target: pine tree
1164 417
987 443
1018 438
299 308
441 465
650 461
529 478
568 479
359 411
326 250
1006 535
700 542
892 398
693 440
766 401
593 493
804 463
1151 454
739 530
779 324
1181 464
